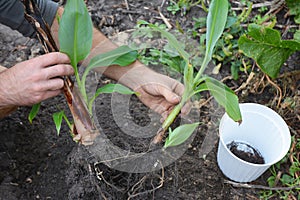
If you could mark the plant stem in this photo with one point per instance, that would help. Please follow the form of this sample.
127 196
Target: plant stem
201 70
171 117
81 86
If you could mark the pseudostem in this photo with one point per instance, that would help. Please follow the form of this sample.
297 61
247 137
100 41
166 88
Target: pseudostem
83 122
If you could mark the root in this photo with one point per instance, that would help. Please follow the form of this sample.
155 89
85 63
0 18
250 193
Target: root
132 193
279 91
100 177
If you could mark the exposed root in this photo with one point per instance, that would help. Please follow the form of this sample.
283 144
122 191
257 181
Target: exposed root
100 177
133 191
279 91
245 84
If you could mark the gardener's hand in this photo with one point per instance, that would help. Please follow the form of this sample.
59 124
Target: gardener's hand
157 91
34 80
161 93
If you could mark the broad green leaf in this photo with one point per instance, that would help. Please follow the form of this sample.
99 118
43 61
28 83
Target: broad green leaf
121 56
180 134
75 31
265 46
224 96
34 111
110 88
216 21
57 118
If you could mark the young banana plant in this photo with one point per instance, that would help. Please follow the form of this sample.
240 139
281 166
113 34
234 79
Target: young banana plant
198 82
75 39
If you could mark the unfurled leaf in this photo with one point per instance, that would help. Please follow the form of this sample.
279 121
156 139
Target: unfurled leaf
121 56
34 111
216 21
180 134
75 31
265 46
110 88
57 118
224 96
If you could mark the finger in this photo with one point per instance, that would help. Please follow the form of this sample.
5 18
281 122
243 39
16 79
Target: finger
160 108
51 93
186 108
169 95
52 59
58 70
164 116
53 84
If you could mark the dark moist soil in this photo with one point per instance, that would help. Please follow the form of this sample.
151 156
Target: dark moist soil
246 152
36 163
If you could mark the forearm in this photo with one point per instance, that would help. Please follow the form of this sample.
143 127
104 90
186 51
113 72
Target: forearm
102 44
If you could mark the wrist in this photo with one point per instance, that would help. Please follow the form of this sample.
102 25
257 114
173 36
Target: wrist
132 76
3 93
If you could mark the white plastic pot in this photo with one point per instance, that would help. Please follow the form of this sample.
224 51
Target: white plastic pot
263 129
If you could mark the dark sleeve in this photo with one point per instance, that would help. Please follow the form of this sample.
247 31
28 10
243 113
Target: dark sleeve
12 15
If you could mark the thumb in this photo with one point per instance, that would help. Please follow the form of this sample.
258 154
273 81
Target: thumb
170 96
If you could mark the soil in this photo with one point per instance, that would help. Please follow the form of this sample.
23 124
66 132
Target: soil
36 163
246 152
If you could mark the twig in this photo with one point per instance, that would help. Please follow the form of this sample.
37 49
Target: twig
258 5
251 186
127 7
162 3
276 5
166 21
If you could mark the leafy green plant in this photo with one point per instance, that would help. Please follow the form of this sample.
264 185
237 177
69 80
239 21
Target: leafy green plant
226 50
265 46
294 9
75 39
184 6
286 179
196 82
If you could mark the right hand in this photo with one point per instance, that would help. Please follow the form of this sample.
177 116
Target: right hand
34 80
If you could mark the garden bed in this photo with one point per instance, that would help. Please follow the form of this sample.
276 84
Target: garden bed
36 163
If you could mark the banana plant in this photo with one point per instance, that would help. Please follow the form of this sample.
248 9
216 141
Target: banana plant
198 82
75 39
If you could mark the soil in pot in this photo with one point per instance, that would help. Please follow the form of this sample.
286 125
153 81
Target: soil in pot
246 152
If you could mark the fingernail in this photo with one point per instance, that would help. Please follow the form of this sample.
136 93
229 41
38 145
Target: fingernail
176 98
